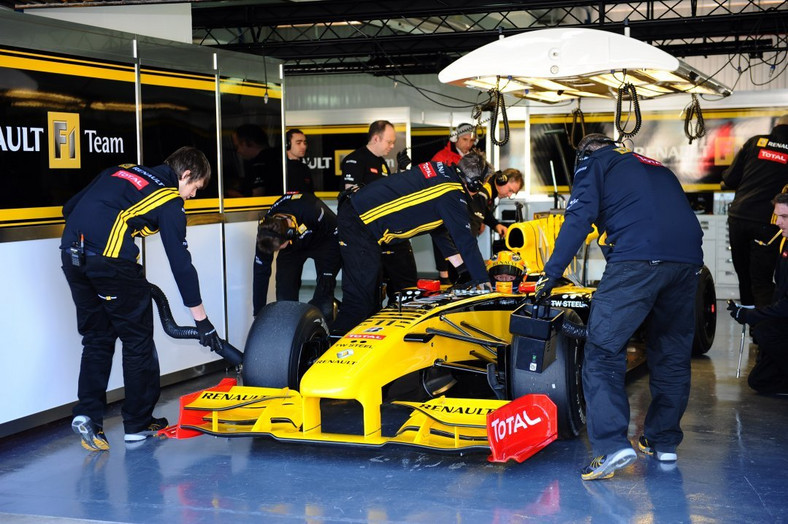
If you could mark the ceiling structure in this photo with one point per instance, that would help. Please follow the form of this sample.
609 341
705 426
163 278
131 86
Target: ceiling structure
396 37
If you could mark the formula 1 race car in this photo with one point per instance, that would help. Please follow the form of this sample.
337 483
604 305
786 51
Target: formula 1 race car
441 368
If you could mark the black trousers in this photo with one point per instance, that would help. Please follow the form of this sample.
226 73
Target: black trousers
290 265
399 267
361 270
662 295
770 373
113 300
754 264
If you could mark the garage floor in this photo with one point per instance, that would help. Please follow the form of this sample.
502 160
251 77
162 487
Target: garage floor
733 467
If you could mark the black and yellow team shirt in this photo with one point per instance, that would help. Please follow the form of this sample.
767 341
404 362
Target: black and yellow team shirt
127 201
429 198
758 172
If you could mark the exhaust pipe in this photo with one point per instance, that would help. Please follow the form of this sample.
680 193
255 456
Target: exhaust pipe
226 351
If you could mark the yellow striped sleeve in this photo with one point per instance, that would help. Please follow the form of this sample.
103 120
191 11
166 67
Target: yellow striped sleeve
413 199
152 201
388 237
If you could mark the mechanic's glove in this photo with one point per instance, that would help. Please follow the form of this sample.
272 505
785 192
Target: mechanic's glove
740 314
463 276
208 335
403 160
543 288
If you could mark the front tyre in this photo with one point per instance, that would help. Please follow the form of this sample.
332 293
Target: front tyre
705 313
284 340
561 381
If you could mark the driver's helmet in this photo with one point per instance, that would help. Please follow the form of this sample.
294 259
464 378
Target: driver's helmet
506 266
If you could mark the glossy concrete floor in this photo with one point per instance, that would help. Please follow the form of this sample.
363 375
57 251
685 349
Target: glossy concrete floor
732 467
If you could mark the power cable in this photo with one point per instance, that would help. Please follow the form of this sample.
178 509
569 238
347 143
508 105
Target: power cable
693 111
634 108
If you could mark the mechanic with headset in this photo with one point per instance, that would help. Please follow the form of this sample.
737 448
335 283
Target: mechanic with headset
366 166
770 323
298 227
505 183
651 240
461 142
429 198
758 171
111 294
299 176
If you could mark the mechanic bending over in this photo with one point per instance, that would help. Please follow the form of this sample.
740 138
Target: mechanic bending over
365 166
298 227
481 209
651 241
461 142
770 324
430 198
111 294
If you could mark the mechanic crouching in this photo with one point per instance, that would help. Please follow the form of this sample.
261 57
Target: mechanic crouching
651 241
298 227
770 324
430 198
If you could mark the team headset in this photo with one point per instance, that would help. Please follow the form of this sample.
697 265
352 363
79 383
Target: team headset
289 137
461 129
474 184
501 178
583 153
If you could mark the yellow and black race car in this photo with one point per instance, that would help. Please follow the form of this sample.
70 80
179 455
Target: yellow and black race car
438 369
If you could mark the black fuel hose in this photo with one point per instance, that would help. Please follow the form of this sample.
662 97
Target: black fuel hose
572 330
226 351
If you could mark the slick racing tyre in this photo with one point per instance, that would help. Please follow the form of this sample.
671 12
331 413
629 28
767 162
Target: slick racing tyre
284 340
561 381
705 313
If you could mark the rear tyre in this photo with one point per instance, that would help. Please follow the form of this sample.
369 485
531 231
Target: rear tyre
705 313
284 341
561 381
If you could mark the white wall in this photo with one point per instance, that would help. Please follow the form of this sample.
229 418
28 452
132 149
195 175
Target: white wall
170 21
41 346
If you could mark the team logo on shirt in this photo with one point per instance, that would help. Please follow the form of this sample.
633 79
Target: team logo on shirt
772 156
647 160
427 170
762 142
136 180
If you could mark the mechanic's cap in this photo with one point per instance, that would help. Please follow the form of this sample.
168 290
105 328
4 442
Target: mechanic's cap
506 266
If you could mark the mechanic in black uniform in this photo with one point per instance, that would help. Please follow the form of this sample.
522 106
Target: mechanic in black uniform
770 324
503 184
651 241
365 166
298 227
429 198
299 176
758 172
111 294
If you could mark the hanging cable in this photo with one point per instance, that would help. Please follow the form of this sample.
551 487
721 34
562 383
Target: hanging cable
634 107
577 114
693 111
499 105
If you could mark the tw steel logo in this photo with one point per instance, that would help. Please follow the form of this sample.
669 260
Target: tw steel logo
64 152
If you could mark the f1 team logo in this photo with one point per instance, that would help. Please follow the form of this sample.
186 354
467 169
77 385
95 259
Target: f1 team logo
63 133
